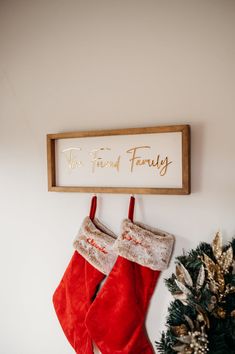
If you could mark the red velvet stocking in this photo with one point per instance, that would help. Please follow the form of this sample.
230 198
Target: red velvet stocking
72 299
91 261
116 318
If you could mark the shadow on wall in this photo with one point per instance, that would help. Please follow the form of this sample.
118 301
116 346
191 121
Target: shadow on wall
197 148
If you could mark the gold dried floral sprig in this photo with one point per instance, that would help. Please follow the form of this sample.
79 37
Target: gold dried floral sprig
214 275
192 338
224 259
190 341
217 270
185 283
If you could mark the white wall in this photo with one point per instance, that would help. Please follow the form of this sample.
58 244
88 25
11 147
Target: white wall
80 65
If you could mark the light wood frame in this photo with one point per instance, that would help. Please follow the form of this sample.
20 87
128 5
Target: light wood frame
51 160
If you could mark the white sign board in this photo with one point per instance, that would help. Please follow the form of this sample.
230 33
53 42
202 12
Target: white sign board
145 160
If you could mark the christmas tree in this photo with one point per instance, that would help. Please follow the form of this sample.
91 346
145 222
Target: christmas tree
201 319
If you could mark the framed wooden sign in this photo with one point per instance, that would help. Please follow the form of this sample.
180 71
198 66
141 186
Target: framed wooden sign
153 160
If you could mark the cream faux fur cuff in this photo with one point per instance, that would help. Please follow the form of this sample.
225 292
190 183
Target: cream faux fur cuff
145 245
95 242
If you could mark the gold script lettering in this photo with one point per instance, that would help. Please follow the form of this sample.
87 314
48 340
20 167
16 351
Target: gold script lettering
71 157
160 164
100 162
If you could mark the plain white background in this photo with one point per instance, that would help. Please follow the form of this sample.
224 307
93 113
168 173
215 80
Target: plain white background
103 64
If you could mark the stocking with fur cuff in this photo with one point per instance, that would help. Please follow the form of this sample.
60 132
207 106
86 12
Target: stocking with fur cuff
91 261
116 318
